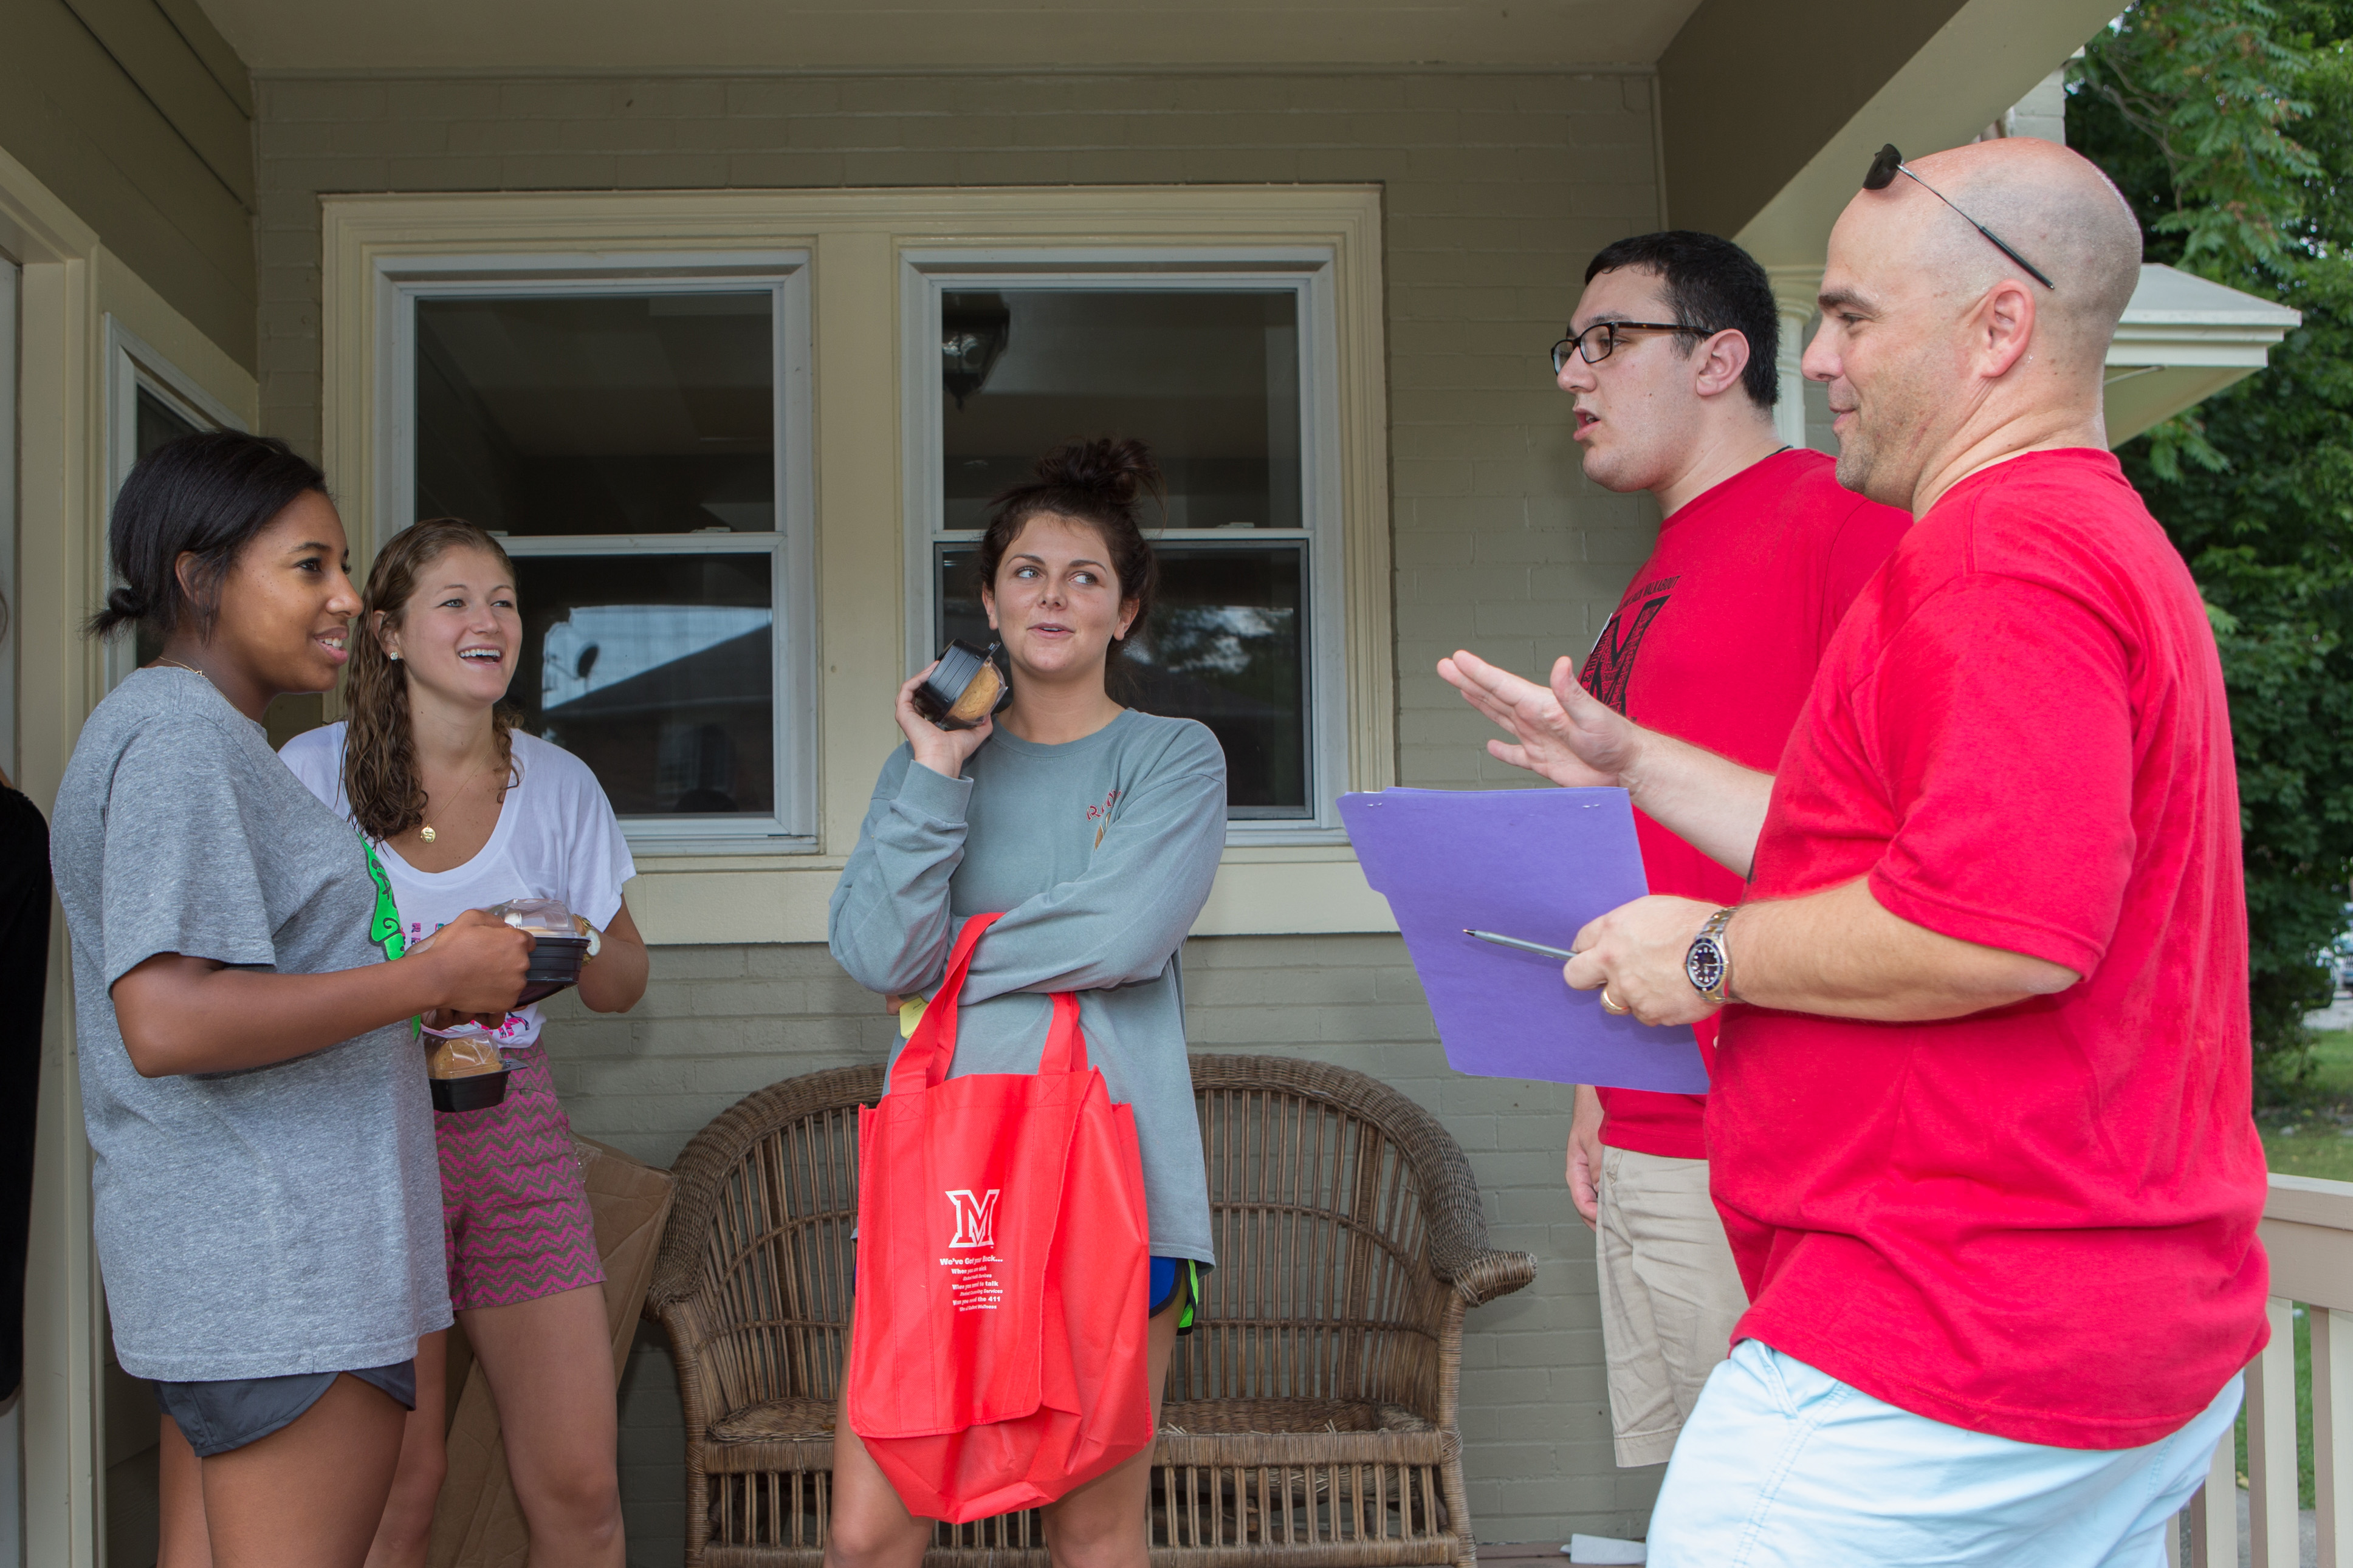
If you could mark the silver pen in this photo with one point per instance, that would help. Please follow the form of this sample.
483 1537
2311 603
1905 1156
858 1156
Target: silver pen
1501 940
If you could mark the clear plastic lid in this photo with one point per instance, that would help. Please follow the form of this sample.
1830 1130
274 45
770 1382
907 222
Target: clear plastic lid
541 917
547 917
466 1055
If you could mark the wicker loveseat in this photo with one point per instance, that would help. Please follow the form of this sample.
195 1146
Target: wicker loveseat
1310 1419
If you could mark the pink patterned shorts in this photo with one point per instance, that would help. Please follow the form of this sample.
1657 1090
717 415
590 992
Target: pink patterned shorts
514 1213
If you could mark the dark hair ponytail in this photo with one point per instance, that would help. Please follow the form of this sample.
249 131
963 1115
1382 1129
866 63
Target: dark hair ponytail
122 607
205 495
1098 483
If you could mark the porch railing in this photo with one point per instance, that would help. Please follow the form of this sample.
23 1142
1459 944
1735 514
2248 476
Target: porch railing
2307 1230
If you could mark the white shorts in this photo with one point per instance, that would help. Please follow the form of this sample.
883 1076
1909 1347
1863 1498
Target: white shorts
1785 1466
1670 1296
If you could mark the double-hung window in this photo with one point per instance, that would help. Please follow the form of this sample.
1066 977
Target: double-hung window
1224 366
636 439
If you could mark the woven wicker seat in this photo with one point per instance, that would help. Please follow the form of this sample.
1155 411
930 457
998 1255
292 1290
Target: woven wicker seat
1310 1420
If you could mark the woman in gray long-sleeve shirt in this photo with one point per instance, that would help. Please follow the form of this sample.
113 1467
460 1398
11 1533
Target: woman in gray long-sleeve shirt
1097 830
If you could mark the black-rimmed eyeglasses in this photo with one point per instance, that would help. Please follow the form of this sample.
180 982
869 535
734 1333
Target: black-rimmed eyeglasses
1600 340
1890 163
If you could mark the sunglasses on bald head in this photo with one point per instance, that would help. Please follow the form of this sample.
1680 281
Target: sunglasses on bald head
1890 163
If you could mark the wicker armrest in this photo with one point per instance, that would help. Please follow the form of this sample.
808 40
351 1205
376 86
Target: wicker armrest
703 1166
1492 1274
1458 1253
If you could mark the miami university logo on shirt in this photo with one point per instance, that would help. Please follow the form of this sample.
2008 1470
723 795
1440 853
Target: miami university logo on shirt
1611 666
975 1218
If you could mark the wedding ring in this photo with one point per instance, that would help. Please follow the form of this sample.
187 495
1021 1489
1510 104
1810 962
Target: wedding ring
1611 1005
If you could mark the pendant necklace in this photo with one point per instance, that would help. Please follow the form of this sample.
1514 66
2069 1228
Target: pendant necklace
424 829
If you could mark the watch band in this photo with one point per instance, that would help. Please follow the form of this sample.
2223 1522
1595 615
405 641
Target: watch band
1708 963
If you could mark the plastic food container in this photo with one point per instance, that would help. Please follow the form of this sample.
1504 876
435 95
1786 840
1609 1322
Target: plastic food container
964 688
466 1073
557 948
467 1070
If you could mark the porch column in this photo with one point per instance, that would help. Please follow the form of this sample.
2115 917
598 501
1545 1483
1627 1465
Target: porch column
1794 288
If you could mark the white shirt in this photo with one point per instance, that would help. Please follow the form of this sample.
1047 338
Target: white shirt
556 839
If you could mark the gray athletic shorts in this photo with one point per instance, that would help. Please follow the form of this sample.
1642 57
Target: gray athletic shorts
217 1417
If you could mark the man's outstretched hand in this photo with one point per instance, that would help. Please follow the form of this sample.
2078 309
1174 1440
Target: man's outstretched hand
1565 734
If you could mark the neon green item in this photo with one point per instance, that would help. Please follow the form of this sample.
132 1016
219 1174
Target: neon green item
384 926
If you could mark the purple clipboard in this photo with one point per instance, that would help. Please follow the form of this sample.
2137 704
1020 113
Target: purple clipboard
1531 863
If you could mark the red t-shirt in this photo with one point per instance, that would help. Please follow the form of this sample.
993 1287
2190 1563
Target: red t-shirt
2037 1221
1716 643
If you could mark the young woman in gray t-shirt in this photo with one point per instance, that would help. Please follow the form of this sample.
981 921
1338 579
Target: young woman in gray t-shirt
1097 830
267 1205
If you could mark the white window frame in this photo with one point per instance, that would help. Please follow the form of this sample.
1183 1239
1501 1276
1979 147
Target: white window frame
1305 271
792 828
132 366
10 288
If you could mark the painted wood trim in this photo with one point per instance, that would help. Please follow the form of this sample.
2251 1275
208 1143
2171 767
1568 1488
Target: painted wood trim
149 47
219 57
71 285
60 452
678 903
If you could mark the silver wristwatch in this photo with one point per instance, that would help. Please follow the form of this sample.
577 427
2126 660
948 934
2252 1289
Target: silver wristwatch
1708 964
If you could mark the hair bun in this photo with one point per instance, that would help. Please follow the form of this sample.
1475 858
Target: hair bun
122 606
1117 470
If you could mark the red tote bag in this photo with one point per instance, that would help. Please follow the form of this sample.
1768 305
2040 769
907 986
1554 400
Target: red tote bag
997 1355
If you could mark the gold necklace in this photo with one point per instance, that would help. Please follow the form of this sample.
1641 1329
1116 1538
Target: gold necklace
192 669
424 829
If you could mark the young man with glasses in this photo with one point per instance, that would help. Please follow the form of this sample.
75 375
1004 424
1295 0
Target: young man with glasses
1981 1130
1671 362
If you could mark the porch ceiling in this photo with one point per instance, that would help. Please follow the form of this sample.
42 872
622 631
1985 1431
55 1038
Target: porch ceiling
739 34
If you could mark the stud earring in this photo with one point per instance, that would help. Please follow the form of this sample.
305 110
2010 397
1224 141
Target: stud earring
394 656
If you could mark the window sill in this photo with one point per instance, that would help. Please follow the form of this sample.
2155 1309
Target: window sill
1262 890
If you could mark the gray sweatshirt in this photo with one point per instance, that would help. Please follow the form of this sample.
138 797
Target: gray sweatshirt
1101 853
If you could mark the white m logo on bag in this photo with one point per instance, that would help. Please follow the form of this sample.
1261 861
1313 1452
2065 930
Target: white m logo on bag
975 1218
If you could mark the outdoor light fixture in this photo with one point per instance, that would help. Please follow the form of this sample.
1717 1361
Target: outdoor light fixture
974 330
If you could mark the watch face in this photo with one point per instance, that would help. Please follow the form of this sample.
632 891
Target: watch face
1704 965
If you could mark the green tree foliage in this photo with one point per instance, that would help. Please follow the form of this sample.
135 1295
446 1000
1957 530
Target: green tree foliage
2229 124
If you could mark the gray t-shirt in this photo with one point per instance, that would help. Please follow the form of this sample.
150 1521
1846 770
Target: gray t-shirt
257 1223
1100 851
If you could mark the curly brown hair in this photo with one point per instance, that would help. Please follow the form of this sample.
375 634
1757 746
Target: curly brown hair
380 777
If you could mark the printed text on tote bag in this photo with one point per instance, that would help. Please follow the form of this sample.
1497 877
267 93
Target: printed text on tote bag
977 1287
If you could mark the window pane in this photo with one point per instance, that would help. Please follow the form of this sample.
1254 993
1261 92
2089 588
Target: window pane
1226 644
589 413
1210 380
159 422
657 672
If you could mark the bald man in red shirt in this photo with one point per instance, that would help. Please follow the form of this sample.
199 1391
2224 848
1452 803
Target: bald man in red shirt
1981 1124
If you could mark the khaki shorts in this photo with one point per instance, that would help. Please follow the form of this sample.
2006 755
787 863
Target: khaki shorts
1670 1296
